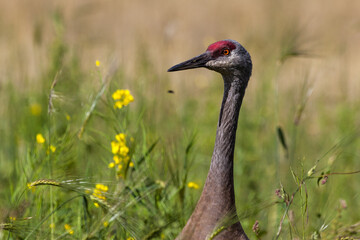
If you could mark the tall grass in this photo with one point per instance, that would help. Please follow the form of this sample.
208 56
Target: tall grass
296 165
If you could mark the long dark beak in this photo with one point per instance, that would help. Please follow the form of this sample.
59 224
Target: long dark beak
195 62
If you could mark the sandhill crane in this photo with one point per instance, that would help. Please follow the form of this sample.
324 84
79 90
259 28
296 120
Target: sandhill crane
217 201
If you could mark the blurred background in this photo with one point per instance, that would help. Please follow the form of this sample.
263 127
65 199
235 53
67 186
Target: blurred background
302 102
325 35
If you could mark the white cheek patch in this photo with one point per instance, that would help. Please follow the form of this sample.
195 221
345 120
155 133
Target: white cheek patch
216 64
231 60
223 62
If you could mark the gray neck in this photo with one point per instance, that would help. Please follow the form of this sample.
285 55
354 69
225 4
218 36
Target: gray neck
220 177
217 201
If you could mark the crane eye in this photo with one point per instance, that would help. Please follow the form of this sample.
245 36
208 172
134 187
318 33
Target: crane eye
225 52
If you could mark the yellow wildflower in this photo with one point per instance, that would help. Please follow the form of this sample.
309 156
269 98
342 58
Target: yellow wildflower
97 193
97 63
106 223
193 185
117 95
121 137
117 159
115 146
120 151
100 191
35 109
51 148
119 146
67 116
31 187
69 229
122 97
130 238
118 104
102 187
40 138
124 150
12 219
161 183
52 225
96 204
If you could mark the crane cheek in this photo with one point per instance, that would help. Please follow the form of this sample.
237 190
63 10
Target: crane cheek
216 64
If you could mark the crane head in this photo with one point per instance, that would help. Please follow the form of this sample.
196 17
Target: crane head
225 57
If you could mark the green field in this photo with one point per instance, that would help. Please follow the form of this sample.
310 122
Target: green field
81 160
